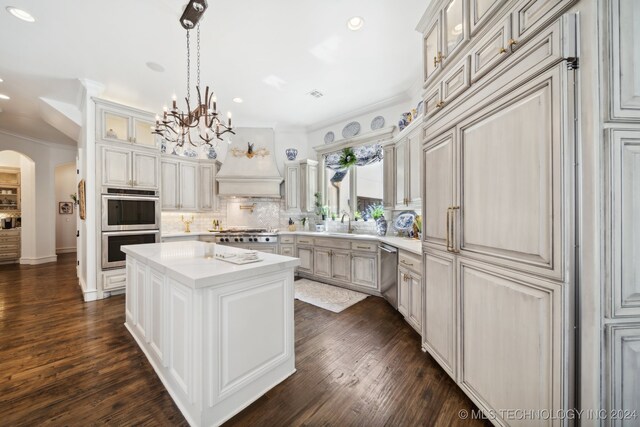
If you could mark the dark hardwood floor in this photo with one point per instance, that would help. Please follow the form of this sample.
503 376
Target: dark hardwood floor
65 362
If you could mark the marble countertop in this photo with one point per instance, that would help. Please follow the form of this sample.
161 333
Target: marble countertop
186 262
403 243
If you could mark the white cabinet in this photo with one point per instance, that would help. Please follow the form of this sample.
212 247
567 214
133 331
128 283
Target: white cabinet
624 24
623 200
389 169
188 185
300 185
407 163
127 168
341 265
404 291
287 250
322 262
410 289
480 12
118 123
308 185
440 309
621 375
305 254
364 270
292 186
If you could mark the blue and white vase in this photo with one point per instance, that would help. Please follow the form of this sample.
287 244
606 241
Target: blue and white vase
381 226
211 154
291 153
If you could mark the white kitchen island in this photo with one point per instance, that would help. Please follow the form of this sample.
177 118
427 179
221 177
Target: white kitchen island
218 335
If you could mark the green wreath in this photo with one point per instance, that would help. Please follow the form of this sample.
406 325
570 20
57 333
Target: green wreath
347 158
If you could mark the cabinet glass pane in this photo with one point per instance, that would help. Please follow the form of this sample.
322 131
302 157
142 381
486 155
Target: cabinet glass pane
338 188
116 127
400 159
454 34
369 185
481 7
431 50
143 133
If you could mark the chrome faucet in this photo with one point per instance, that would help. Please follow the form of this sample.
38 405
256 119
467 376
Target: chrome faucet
349 229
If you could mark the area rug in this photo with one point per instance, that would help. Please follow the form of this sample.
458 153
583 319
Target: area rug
325 296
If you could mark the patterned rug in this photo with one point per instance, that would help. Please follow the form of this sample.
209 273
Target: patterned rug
325 296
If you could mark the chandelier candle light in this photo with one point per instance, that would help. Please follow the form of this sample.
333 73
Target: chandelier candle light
176 126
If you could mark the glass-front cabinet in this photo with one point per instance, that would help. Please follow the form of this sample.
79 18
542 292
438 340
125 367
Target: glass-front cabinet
122 124
453 28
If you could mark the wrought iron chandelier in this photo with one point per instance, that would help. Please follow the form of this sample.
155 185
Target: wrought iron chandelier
202 126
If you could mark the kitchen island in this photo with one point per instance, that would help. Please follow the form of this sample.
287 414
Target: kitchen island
218 335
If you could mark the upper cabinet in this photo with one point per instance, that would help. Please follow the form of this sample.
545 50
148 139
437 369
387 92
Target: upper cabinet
624 49
116 123
432 50
407 164
480 12
301 185
125 168
188 185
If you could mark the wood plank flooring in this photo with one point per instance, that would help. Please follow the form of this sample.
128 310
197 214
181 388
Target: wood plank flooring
65 362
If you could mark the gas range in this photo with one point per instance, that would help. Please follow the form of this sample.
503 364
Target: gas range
255 235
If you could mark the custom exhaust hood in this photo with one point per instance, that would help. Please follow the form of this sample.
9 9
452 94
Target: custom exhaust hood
249 169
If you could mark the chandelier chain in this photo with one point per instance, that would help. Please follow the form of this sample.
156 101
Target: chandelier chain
188 68
198 50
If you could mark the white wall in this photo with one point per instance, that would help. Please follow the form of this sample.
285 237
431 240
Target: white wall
65 181
38 207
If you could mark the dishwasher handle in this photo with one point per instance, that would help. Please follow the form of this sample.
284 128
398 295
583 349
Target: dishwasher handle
388 249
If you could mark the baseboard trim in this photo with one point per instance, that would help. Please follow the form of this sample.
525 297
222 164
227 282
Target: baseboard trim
87 295
65 250
41 260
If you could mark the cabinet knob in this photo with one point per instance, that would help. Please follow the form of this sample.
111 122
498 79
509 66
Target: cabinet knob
511 42
503 50
440 104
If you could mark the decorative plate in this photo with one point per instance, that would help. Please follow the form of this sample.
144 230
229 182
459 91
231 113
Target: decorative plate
404 221
377 123
329 138
190 153
351 130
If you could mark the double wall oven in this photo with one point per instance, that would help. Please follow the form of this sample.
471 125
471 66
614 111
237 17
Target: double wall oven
129 217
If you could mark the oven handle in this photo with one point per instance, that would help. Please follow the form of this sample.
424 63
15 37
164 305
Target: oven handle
128 233
129 197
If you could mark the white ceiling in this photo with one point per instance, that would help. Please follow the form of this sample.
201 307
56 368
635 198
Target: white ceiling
303 44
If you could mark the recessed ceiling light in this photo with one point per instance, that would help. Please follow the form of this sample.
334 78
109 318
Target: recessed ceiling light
1 80
155 67
21 14
237 100
355 23
3 96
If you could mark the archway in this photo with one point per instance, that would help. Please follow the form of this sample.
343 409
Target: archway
27 212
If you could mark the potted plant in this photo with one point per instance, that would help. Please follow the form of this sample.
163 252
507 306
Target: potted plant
357 215
333 216
377 213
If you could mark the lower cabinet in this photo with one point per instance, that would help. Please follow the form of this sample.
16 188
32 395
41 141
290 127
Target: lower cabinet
622 367
322 262
287 250
410 297
306 259
341 265
364 270
440 313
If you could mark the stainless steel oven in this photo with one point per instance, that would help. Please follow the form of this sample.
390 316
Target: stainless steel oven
127 212
112 256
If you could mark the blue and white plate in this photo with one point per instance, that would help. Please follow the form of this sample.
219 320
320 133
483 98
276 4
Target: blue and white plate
404 221
377 123
329 138
190 153
351 130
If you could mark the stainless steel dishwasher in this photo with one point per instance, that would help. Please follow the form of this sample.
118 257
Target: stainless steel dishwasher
389 273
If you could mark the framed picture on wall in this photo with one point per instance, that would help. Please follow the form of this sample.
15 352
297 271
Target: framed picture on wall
65 208
82 199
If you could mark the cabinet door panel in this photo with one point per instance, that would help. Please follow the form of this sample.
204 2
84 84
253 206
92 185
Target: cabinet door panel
624 28
322 262
510 334
623 371
415 302
456 81
440 302
115 127
403 291
188 186
531 15
389 194
116 167
141 300
481 11
157 315
454 26
431 48
341 265
207 182
142 133
170 184
306 259
145 170
491 50
363 270
624 211
512 179
414 163
292 186
432 101
401 153
438 187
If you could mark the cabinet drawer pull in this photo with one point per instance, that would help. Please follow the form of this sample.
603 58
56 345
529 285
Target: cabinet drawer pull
120 280
406 263
363 247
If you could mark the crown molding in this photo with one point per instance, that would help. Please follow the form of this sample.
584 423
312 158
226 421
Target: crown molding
39 141
381 135
369 108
